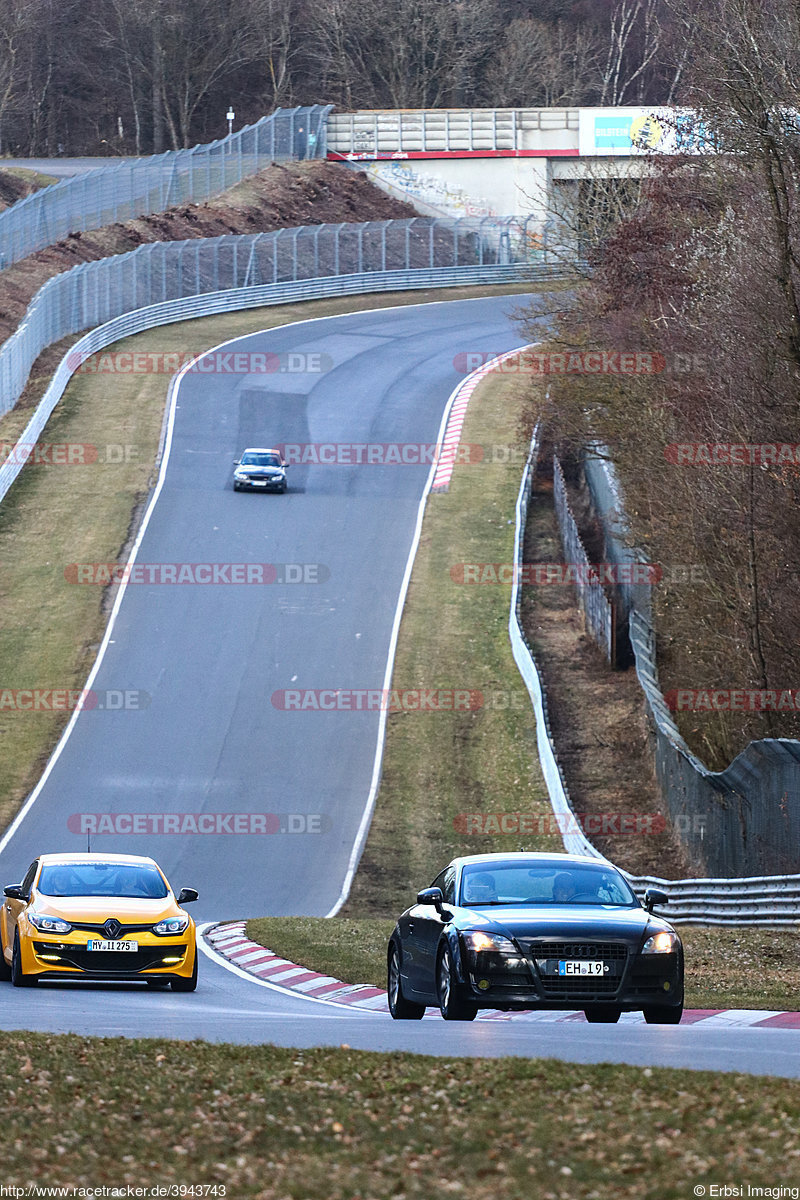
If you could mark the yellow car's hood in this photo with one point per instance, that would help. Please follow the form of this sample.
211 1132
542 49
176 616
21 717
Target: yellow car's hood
97 908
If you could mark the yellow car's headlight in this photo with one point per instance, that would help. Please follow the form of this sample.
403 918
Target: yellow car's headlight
47 924
171 925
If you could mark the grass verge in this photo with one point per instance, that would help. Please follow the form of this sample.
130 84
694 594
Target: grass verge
725 968
54 515
290 1124
438 767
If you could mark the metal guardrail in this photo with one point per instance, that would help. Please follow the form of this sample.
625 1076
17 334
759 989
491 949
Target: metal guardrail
96 292
136 319
122 191
598 611
770 900
744 819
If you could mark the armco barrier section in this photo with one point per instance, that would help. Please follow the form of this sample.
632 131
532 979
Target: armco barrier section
769 900
96 292
742 820
110 301
758 900
122 191
598 612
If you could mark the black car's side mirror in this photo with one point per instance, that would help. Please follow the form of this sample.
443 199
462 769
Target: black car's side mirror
236 462
15 892
187 895
434 896
654 896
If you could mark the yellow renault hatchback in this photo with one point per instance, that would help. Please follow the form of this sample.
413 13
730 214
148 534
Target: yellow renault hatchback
97 916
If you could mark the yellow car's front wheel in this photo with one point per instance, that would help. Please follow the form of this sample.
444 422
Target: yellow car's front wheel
18 976
189 984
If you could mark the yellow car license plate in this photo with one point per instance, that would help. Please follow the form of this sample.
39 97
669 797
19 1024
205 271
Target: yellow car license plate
113 947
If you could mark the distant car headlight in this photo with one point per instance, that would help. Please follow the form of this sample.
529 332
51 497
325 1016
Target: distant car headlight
239 474
171 925
661 943
476 939
47 924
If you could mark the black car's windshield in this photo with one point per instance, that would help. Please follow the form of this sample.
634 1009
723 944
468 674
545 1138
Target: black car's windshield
137 881
545 883
261 460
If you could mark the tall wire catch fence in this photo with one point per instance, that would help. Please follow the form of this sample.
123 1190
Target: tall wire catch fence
133 188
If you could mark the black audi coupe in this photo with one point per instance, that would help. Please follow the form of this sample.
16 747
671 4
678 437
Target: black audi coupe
535 931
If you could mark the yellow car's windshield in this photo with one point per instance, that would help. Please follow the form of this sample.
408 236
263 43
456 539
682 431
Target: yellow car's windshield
102 879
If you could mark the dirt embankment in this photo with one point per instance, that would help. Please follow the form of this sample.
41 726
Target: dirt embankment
14 187
279 197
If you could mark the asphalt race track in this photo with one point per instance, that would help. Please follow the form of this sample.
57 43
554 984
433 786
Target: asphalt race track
206 661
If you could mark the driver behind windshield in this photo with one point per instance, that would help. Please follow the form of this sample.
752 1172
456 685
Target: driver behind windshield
480 889
564 888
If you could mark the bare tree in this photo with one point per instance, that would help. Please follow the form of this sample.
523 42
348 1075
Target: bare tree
634 42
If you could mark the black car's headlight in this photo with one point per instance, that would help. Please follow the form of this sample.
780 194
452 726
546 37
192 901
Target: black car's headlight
47 924
490 954
664 942
171 926
476 939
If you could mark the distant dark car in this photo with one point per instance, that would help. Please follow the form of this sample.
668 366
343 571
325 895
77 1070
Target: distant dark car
260 470
534 931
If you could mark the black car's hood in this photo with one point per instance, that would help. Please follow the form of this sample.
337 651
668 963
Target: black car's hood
256 470
561 921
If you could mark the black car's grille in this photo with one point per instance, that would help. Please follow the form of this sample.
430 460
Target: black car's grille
94 961
567 987
608 951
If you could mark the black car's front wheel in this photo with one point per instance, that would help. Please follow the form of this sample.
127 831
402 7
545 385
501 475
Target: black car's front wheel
663 1014
603 1014
400 1008
451 1005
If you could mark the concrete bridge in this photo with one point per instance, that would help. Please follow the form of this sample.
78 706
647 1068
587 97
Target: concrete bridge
507 161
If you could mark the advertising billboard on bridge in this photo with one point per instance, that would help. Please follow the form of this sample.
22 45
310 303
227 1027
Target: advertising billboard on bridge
641 131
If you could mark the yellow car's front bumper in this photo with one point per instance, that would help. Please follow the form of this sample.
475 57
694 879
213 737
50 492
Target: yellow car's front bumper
67 956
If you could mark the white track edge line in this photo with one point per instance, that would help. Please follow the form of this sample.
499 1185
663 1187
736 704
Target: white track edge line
170 407
369 808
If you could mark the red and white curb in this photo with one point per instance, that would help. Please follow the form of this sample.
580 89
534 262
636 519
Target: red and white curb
455 421
229 942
